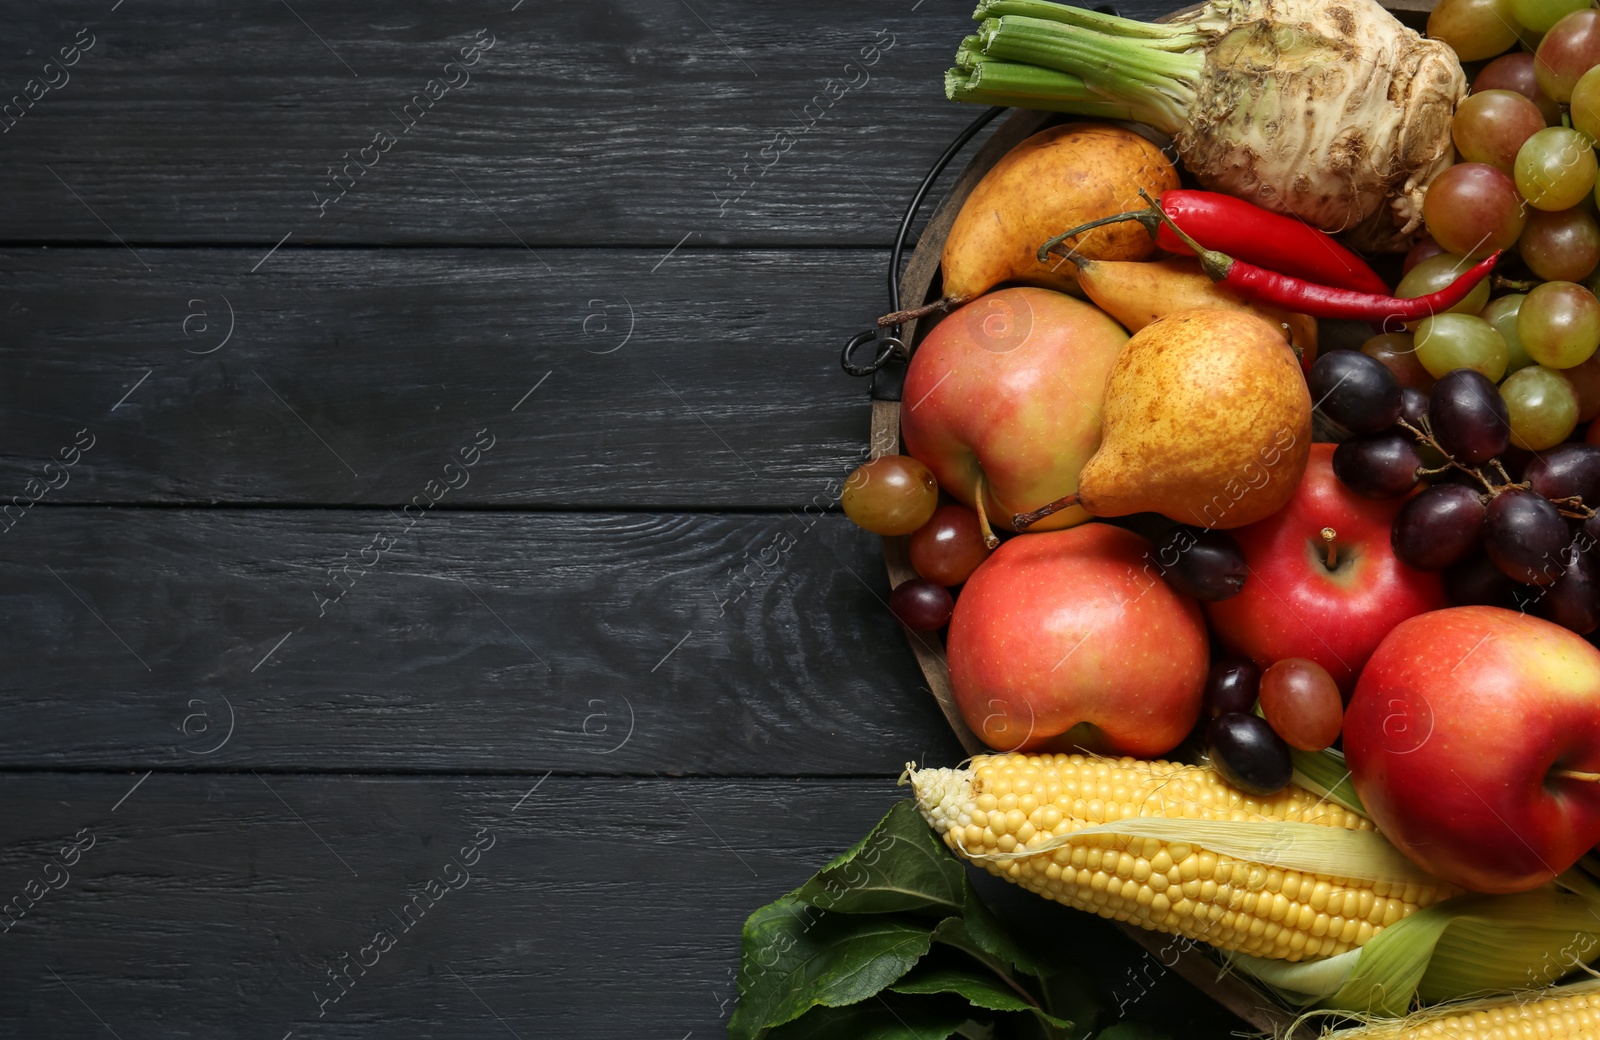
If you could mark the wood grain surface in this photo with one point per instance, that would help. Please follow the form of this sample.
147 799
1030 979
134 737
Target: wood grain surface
709 379
212 906
479 642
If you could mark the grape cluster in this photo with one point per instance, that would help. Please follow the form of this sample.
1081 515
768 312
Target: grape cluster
1526 183
1530 544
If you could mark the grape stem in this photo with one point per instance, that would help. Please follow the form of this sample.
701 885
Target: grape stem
1425 436
1501 281
1572 507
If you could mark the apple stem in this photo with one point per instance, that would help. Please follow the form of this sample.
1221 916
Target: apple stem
990 539
1573 774
1023 521
1328 536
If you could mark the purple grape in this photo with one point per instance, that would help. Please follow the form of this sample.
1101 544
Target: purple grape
1413 405
1573 599
1468 417
1201 563
1232 686
1525 535
1248 754
921 605
1566 471
1356 391
1379 465
1475 581
1437 527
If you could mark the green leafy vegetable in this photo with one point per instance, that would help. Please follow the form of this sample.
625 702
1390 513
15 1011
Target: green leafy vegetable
850 954
796 957
875 1019
900 865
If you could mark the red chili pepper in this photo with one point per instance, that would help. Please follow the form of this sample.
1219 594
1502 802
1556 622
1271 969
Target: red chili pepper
1242 229
1328 301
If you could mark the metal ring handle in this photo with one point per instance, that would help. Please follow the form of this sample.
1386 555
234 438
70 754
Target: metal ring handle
892 348
899 349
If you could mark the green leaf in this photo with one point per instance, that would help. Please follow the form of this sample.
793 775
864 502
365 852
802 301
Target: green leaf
953 931
986 932
901 865
1132 1031
983 991
876 1019
795 957
1069 994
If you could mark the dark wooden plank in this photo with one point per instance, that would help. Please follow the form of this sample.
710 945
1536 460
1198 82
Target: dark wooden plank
213 906
353 376
480 641
613 121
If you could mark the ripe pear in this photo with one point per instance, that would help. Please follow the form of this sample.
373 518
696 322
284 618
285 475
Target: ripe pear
1138 293
1207 420
1055 180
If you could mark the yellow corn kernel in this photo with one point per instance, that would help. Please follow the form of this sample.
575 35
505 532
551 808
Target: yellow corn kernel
1562 1013
1174 887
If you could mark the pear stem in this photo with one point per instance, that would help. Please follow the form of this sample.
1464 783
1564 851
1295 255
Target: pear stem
1328 535
943 303
1023 521
990 539
1573 774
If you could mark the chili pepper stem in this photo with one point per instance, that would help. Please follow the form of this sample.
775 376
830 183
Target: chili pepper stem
1150 218
1215 264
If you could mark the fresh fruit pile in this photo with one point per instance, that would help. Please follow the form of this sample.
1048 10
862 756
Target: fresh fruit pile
1154 520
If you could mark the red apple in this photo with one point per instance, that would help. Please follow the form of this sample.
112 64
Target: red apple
1460 736
1007 391
1295 605
1071 639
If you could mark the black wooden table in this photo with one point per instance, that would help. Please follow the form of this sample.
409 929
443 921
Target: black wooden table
421 433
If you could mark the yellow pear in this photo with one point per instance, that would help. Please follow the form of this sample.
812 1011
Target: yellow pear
1055 180
1207 420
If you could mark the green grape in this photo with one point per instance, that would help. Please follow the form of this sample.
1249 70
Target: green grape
1472 209
1436 273
1555 168
1563 246
1476 29
1542 407
1491 126
1585 379
1585 104
891 495
1502 315
1539 16
1559 324
1398 354
1446 342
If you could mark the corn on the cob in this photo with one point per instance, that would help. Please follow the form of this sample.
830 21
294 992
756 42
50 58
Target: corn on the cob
1003 804
1562 1013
